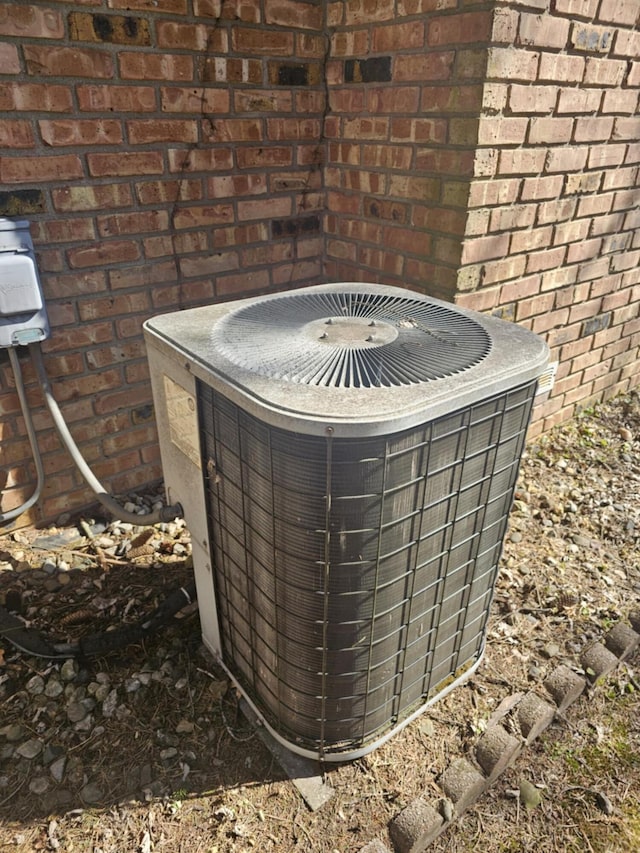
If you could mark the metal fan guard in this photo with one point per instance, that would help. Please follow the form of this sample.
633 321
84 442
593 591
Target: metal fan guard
350 339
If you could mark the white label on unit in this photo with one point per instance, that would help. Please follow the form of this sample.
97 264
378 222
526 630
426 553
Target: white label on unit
183 420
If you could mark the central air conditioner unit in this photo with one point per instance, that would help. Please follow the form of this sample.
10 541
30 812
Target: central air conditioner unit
345 456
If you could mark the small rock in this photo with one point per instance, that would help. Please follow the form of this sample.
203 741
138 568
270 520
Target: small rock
69 670
76 712
110 704
53 688
185 727
35 685
30 749
38 785
13 732
551 650
169 753
92 793
530 796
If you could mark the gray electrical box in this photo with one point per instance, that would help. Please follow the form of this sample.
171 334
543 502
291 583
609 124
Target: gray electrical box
23 317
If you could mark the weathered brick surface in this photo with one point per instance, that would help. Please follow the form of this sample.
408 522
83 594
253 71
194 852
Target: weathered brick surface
570 76
133 135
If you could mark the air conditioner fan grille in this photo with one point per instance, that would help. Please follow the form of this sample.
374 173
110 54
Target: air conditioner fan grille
350 339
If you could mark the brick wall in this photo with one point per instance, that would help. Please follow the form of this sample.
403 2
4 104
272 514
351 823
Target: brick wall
552 238
405 91
167 153
173 152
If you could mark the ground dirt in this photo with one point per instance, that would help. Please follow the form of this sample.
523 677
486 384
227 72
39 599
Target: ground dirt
145 749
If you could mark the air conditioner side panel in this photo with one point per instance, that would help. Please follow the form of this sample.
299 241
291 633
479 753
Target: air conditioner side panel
174 395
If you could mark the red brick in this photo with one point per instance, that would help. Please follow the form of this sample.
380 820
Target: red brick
508 64
132 223
516 216
147 131
620 101
32 97
68 285
394 37
175 244
423 66
368 11
172 7
618 178
196 37
530 239
60 61
493 192
532 99
604 72
539 304
550 320
111 252
9 59
293 129
592 270
264 209
607 224
579 8
561 68
240 235
589 38
160 192
521 289
459 29
262 101
199 160
626 128
245 282
583 251
25 169
542 31
583 182
88 197
138 99
208 265
593 129
485 248
552 131
125 163
606 155
61 132
570 232
254 42
264 157
24 21
64 230
495 272
556 211
545 259
567 159
399 99
618 12
211 214
288 13
155 66
521 161
418 130
16 134
453 99
579 100
546 187
444 220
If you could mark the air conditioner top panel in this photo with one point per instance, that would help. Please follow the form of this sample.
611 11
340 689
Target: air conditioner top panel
354 358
